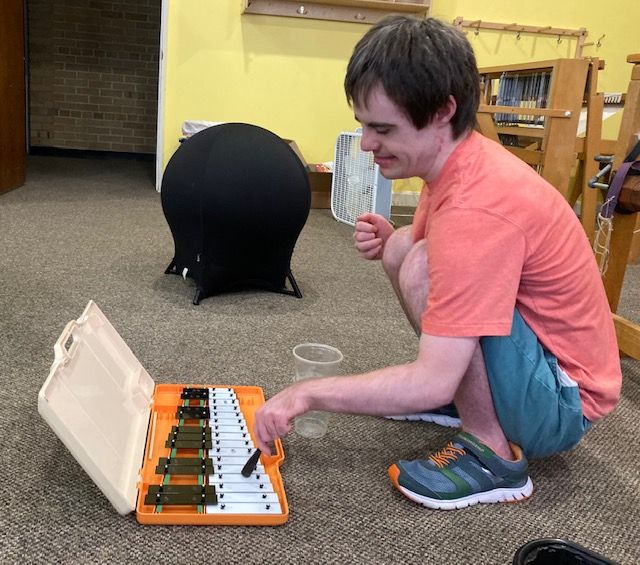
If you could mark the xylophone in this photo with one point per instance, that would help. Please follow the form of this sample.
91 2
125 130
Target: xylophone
200 440
193 440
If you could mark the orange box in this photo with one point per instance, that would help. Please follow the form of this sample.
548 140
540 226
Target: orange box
128 434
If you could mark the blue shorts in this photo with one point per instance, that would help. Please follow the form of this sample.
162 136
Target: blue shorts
537 405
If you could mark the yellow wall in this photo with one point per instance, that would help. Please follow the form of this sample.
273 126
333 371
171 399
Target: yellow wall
285 74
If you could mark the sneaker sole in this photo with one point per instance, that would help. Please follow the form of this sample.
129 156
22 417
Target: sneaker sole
487 497
440 419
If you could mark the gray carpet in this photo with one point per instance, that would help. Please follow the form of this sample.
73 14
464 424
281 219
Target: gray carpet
85 229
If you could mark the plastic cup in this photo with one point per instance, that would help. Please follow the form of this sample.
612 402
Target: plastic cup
312 360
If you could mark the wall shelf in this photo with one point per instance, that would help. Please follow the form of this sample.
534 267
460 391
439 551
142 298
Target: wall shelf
355 11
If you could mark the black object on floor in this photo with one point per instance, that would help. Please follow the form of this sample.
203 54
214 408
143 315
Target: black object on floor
236 198
557 552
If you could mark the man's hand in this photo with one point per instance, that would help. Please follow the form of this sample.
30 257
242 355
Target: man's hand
371 233
274 417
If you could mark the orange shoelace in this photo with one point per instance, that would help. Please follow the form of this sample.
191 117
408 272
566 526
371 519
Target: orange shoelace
446 455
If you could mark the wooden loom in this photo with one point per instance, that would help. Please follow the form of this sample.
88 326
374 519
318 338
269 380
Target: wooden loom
536 116
537 120
625 224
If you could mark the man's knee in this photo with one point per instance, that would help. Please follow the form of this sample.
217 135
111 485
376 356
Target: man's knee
413 277
396 249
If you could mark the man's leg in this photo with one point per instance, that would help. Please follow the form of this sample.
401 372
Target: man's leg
394 262
537 403
475 406
519 354
405 263
478 465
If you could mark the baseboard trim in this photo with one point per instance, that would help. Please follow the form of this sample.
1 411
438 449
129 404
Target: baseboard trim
405 198
89 153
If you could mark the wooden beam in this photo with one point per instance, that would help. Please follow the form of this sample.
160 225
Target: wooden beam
533 67
605 147
628 335
551 112
589 166
487 126
522 131
619 248
529 156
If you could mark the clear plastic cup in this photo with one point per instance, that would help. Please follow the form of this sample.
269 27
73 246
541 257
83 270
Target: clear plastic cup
312 360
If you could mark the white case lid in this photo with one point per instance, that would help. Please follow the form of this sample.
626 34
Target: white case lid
97 400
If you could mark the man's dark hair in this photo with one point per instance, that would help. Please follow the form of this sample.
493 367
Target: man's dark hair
418 63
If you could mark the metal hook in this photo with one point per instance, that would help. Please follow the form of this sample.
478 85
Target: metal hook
599 42
559 39
518 36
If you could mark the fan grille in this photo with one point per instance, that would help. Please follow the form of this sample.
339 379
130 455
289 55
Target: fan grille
354 179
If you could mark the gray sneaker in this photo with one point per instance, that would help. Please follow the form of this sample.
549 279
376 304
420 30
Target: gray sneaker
463 473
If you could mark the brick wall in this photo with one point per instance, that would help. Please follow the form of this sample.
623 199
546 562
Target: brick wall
93 74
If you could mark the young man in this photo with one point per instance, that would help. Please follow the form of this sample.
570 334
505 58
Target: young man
495 274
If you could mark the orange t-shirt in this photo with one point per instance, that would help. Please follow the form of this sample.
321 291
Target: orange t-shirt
498 237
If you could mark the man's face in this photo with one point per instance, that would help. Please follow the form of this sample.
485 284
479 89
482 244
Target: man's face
399 149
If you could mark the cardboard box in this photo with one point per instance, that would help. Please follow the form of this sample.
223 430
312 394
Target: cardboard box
319 180
296 150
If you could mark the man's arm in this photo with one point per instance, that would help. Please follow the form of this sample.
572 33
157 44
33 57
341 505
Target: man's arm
424 384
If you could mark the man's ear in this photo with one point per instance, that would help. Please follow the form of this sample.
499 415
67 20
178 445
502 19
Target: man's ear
445 113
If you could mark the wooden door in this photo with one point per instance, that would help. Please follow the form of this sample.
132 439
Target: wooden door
12 95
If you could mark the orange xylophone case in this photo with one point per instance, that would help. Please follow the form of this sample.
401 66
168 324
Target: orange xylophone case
118 424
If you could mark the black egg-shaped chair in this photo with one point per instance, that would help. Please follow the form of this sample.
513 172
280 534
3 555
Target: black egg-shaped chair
236 198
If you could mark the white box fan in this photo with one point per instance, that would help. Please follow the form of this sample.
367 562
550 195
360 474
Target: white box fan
357 185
